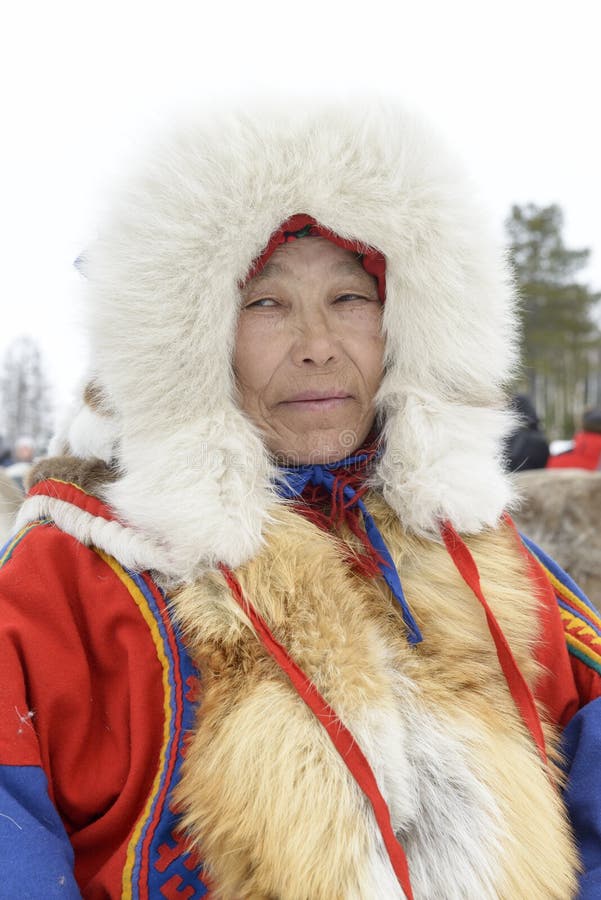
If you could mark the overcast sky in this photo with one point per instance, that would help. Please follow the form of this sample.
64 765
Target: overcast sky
514 85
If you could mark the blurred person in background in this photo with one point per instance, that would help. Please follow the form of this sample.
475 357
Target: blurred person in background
586 451
5 454
526 447
21 460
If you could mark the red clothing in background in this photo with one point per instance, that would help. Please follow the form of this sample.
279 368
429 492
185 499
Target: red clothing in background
585 455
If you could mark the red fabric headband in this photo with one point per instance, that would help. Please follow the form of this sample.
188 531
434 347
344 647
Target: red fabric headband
301 225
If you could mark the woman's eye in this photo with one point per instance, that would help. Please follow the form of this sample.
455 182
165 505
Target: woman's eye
348 298
261 303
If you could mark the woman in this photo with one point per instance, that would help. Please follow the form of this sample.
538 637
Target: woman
286 478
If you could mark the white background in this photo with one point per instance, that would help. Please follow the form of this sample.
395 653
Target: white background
514 85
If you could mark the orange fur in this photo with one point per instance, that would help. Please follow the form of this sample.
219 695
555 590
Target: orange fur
267 801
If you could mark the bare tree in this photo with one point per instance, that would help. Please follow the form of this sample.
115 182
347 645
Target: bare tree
25 404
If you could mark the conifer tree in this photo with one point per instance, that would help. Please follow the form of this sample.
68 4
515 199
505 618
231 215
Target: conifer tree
561 341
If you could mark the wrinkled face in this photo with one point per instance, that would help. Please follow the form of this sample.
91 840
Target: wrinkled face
309 351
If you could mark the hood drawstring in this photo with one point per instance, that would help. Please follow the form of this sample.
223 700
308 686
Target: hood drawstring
342 485
518 687
342 739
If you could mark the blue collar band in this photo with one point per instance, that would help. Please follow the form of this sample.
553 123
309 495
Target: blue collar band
292 481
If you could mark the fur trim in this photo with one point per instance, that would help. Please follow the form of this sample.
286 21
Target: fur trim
425 484
88 474
132 550
163 282
90 429
276 814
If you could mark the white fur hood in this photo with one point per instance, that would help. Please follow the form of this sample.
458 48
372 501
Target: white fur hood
194 477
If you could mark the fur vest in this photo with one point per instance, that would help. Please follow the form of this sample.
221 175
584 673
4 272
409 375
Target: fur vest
268 802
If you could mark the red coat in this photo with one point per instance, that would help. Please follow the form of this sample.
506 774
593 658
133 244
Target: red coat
98 693
585 455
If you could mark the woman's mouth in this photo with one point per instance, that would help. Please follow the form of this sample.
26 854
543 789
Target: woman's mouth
318 400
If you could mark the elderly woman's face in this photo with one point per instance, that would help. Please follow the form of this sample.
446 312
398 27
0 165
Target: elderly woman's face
309 351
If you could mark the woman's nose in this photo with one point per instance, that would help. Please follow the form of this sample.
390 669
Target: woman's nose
315 341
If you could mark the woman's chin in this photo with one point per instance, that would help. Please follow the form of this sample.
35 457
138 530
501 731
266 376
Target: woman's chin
322 450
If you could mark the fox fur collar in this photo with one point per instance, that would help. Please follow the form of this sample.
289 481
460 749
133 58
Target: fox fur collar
268 802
